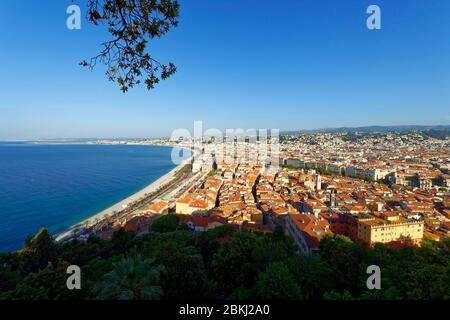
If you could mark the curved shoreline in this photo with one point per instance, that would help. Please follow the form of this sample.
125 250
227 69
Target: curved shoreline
122 204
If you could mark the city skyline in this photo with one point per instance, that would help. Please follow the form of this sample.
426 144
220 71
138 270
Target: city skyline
444 129
246 68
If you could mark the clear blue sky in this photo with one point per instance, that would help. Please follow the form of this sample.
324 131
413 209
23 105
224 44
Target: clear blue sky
297 64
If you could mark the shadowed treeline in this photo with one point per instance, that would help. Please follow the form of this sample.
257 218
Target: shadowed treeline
172 263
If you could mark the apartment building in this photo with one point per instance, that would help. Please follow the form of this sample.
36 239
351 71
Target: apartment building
390 227
307 230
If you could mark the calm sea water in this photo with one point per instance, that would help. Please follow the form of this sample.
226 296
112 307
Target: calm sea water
56 186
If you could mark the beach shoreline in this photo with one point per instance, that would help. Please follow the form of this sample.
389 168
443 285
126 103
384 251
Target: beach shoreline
122 204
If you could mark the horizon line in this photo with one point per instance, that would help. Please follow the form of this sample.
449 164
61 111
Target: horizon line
408 127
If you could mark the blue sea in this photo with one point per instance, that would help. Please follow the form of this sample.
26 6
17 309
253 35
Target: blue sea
56 186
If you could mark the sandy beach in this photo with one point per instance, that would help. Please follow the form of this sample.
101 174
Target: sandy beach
155 185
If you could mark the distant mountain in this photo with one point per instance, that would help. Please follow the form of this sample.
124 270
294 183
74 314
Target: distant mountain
375 129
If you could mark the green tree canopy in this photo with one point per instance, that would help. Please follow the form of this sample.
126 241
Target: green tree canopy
133 278
47 284
38 252
277 283
165 223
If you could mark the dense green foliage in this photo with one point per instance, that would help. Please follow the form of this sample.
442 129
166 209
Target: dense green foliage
166 223
132 278
323 171
219 264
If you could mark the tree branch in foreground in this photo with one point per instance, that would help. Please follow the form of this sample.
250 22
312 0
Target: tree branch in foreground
132 23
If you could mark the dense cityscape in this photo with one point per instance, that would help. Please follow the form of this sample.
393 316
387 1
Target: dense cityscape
300 216
390 188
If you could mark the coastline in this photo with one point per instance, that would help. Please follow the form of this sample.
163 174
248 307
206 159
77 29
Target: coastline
122 204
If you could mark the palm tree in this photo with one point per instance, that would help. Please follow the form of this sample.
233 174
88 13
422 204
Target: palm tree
132 278
86 223
75 231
